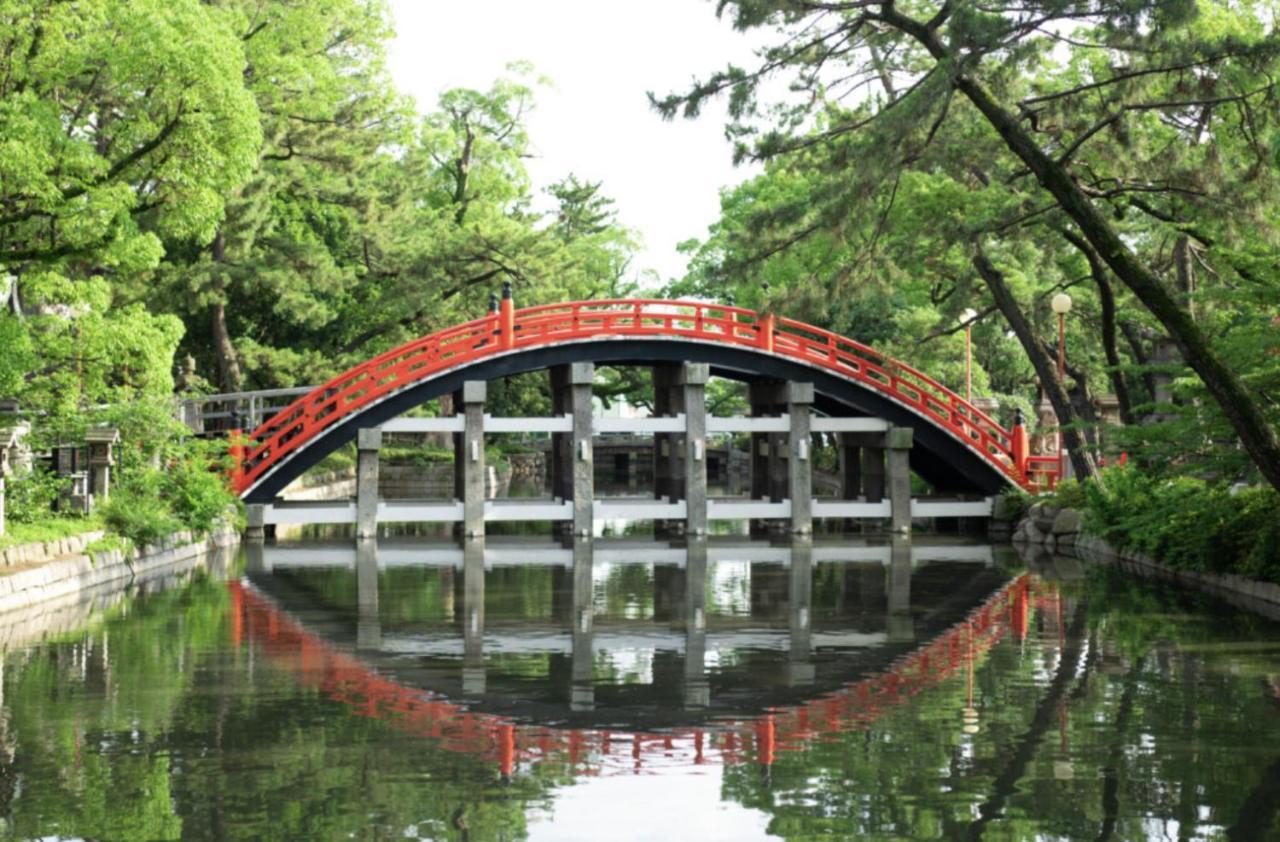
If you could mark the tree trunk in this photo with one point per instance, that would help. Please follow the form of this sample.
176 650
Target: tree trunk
1226 387
1107 299
228 363
1081 459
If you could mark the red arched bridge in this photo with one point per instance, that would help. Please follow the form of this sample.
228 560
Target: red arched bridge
953 445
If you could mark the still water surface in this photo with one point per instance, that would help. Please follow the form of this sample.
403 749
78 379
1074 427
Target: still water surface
644 690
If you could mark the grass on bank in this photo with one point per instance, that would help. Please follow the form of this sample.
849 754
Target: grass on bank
52 528
1184 522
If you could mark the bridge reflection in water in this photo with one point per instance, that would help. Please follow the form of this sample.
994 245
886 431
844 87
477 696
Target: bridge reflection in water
610 656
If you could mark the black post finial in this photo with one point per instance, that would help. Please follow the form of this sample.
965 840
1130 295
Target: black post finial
728 299
506 289
493 302
1017 416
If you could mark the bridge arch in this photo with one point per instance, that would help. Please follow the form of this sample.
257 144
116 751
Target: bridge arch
957 446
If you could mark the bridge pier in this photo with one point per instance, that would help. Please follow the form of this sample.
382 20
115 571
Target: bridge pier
368 443
680 459
572 463
766 457
255 515
898 441
469 457
799 461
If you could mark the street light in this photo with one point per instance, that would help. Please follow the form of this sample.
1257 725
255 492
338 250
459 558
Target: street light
1061 305
967 317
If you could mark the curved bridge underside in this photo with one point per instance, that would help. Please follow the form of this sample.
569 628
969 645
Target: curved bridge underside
957 448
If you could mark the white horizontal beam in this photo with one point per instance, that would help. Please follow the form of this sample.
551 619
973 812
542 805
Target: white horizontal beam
824 424
951 508
743 509
445 424
638 510
851 509
660 424
301 514
743 424
415 511
554 424
511 510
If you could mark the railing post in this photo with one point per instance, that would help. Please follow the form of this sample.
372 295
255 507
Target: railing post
1019 445
236 450
507 319
767 323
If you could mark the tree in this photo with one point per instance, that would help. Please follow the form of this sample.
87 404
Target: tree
1165 72
122 123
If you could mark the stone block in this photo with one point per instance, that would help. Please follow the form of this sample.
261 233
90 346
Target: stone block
369 438
1067 522
898 438
474 391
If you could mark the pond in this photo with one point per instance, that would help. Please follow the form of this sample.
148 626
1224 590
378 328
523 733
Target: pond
644 689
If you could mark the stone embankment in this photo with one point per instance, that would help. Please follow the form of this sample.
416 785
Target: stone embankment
1059 530
80 575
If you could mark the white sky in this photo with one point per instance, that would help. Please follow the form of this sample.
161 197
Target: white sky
602 56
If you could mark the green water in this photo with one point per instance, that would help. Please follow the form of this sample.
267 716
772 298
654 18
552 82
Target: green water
307 702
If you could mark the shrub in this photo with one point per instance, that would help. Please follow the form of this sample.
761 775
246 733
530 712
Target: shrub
1188 523
30 498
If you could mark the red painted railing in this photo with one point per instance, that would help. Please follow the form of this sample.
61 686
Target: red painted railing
510 329
344 679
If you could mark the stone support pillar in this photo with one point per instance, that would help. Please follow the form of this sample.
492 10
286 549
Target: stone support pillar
573 460
850 466
899 620
800 457
898 440
255 515
469 448
473 669
800 669
667 476
368 624
697 690
582 690
767 480
692 384
368 443
873 471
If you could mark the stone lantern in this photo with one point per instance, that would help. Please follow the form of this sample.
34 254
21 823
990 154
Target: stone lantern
99 442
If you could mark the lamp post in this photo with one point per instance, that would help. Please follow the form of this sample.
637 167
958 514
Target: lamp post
1061 305
967 317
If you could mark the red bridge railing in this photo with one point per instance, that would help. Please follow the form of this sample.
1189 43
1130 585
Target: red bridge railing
510 329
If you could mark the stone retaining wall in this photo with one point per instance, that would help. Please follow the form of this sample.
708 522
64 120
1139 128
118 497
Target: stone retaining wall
43 550
1058 530
81 576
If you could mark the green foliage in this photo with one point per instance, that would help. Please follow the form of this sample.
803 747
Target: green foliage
1016 502
1188 523
1069 494
30 497
189 492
